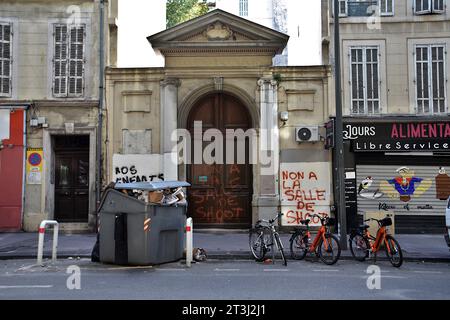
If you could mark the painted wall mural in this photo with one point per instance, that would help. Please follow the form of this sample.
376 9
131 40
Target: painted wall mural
305 190
418 190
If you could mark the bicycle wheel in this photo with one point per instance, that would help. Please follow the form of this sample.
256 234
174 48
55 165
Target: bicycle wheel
280 248
359 247
299 246
258 244
329 250
393 251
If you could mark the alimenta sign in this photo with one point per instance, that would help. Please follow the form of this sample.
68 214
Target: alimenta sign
398 136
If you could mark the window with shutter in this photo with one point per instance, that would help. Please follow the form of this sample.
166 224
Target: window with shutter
386 7
76 61
68 61
438 6
429 6
430 79
60 61
5 59
365 82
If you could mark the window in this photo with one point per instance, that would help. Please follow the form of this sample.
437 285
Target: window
430 79
364 8
5 59
361 8
68 60
386 7
243 8
342 8
364 80
429 6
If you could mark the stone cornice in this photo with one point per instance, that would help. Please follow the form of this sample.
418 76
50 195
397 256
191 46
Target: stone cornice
55 103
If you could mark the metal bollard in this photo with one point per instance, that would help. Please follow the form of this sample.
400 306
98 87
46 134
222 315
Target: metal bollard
42 227
189 242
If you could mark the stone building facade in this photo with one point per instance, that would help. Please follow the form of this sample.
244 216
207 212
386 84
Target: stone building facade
218 75
395 90
50 99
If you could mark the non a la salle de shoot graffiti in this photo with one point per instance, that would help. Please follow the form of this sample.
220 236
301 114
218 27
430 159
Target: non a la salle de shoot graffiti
305 191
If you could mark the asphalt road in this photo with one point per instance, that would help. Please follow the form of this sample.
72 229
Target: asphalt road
229 280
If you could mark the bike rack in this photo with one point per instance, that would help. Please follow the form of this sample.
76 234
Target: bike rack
189 241
42 227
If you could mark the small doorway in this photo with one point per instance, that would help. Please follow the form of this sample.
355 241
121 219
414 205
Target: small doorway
71 178
221 194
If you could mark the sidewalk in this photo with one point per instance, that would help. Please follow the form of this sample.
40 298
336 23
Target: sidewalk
218 245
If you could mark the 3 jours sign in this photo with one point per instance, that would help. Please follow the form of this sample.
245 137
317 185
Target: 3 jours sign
399 136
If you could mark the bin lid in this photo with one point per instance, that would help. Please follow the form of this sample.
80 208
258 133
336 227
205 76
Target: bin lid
152 186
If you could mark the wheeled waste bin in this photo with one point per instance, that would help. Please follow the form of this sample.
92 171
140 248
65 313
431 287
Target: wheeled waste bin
136 232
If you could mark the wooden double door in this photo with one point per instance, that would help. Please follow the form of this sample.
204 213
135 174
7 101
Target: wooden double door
72 178
221 193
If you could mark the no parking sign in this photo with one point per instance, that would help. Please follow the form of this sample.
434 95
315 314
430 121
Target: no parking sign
34 165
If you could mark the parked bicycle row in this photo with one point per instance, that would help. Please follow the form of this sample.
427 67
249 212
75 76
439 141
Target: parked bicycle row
325 245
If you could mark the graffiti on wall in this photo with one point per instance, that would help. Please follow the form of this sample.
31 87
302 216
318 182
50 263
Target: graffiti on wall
305 191
218 203
129 168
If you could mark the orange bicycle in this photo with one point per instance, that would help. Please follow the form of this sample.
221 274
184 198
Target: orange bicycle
363 244
325 245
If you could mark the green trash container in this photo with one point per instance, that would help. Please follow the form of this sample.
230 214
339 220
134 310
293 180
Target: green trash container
134 232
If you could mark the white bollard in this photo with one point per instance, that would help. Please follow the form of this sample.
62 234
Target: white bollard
42 226
189 242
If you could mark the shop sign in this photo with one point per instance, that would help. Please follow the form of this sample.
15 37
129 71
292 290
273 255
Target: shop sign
398 136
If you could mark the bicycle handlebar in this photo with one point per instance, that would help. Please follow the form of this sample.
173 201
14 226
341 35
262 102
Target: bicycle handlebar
271 221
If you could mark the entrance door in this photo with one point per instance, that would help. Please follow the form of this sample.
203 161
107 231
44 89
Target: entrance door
11 172
221 194
71 178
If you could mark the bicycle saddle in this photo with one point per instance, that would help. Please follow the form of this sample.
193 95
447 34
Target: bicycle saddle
364 227
306 222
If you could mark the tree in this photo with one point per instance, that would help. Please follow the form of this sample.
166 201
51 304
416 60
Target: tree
178 11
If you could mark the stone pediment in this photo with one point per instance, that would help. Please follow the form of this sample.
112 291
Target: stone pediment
219 31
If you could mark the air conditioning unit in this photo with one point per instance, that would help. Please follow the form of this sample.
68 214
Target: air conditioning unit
307 134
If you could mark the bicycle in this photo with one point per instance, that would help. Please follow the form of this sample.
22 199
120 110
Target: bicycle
325 245
363 244
262 238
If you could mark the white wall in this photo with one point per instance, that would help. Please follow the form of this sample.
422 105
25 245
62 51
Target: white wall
304 26
305 32
137 20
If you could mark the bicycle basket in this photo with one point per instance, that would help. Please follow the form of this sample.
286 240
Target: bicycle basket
331 222
386 222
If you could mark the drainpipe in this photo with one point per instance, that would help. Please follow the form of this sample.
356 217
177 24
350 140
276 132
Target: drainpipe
100 111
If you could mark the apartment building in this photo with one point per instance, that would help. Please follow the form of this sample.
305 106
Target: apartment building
395 66
51 56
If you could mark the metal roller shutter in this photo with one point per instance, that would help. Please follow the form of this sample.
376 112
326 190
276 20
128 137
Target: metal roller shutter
416 194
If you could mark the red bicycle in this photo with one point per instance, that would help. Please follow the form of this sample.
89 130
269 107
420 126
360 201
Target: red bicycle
325 245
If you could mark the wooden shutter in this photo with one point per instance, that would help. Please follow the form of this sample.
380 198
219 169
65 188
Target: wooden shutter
60 61
5 59
76 60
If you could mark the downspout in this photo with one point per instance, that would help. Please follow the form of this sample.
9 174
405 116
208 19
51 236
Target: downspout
100 113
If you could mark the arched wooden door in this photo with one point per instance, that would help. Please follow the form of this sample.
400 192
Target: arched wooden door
221 194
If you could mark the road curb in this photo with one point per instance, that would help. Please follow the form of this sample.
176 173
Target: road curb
226 256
